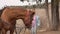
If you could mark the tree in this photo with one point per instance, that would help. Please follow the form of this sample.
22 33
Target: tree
22 0
55 14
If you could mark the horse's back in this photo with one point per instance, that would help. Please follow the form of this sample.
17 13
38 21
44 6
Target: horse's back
10 10
15 8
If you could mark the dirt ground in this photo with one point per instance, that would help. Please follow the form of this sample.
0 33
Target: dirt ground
51 32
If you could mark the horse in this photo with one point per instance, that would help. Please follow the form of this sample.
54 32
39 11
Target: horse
11 14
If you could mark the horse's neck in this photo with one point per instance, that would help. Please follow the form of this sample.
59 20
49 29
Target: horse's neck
7 16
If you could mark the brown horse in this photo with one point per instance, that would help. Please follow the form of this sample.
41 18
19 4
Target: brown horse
11 14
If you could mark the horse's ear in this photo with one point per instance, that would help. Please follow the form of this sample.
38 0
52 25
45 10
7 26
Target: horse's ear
33 13
28 9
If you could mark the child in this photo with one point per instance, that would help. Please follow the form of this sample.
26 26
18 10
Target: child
35 24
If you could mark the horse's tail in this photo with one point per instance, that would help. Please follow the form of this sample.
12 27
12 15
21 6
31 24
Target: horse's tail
1 11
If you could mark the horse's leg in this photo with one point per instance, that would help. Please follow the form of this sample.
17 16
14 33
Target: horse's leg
15 31
4 31
12 31
24 30
0 31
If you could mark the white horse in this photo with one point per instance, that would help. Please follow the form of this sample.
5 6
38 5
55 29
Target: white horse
20 26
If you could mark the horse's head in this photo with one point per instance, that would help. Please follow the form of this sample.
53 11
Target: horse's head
28 18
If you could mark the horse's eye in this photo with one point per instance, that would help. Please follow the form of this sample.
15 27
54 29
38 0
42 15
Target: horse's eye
32 19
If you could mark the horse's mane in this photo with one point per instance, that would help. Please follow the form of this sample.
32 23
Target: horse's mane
10 7
2 11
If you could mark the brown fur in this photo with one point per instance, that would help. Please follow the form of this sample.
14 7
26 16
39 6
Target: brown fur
11 14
